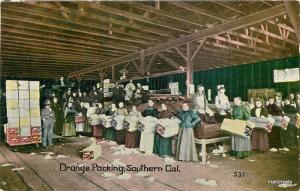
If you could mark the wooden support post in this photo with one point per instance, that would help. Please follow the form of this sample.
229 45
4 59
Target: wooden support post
101 75
113 72
150 63
189 69
142 66
157 4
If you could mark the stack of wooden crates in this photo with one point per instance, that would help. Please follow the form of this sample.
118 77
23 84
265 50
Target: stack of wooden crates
23 112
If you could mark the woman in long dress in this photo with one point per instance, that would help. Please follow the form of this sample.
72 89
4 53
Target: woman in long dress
110 133
69 125
80 119
120 134
132 138
240 146
259 137
98 129
275 135
186 147
222 104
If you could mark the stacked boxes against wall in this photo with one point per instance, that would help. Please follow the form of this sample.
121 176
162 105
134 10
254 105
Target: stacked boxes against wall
107 88
23 112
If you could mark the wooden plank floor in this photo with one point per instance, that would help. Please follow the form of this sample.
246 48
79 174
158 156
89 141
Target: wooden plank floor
40 174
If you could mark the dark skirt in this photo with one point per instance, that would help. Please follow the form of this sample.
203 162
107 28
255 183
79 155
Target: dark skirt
162 146
98 131
132 139
69 129
110 134
259 140
120 136
275 138
289 136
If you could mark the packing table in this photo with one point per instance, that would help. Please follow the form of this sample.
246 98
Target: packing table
205 142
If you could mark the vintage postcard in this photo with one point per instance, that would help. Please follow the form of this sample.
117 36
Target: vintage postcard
150 95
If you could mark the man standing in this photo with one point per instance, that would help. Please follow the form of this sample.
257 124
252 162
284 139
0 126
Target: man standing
3 115
48 124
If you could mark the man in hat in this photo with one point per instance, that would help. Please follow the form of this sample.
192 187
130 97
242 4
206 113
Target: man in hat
48 118
3 114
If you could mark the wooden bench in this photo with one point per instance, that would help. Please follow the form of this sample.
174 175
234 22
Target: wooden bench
205 142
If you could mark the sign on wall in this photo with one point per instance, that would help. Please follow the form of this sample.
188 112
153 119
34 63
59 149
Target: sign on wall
287 75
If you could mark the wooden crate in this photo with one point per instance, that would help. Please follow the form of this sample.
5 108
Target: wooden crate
207 131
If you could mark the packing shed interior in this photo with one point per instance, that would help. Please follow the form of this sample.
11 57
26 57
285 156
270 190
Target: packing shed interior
235 43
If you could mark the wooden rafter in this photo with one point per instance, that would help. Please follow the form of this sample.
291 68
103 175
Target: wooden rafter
291 8
242 22
195 9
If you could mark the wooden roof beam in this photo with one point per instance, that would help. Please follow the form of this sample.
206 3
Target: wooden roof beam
273 35
53 36
15 50
80 47
22 15
195 9
64 32
52 16
27 47
169 61
6 56
225 4
242 22
164 13
133 16
291 7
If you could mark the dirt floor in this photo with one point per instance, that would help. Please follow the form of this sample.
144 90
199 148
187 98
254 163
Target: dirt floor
40 174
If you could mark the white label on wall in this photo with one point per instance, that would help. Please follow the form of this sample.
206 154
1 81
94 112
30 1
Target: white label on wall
287 75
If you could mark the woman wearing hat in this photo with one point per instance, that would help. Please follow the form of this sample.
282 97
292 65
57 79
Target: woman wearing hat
259 137
69 125
222 103
200 103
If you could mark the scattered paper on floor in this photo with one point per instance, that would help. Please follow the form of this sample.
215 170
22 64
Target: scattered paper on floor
142 174
3 183
251 160
32 153
110 142
169 160
62 156
117 162
205 182
219 150
108 175
122 150
48 157
6 164
16 169
150 179
273 150
124 176
213 165
284 149
51 153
